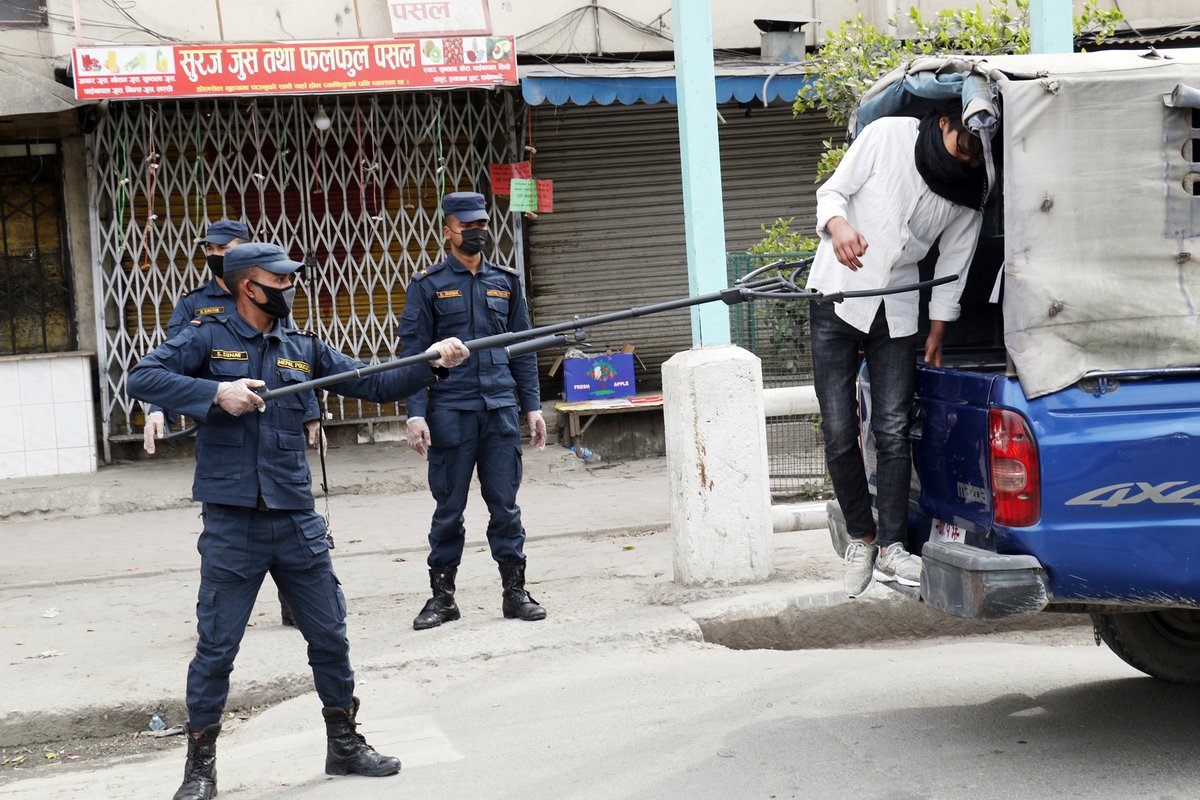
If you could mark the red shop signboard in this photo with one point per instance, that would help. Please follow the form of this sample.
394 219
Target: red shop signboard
330 67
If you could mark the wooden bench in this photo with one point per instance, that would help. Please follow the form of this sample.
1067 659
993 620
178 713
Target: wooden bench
586 411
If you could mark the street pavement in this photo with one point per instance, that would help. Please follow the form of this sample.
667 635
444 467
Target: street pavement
616 694
97 617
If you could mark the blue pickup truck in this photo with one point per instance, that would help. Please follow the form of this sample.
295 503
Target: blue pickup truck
1057 450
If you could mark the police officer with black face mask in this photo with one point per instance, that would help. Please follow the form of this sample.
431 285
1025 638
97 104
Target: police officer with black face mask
471 423
254 481
211 299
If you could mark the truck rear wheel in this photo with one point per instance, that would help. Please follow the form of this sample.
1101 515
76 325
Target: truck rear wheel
1164 644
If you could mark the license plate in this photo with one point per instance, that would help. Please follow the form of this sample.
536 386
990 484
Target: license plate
946 532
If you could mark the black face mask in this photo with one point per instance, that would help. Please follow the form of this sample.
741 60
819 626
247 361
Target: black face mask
216 264
474 240
279 301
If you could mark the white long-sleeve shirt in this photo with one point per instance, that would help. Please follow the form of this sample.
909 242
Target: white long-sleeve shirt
878 190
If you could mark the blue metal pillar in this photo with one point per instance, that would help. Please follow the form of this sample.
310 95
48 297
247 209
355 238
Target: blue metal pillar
1051 26
703 212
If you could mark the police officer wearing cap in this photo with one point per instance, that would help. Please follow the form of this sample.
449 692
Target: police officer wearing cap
254 482
211 299
471 422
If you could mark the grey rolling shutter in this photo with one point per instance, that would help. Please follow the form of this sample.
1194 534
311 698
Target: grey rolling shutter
616 239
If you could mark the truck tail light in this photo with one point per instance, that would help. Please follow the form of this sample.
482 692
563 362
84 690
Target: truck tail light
1016 480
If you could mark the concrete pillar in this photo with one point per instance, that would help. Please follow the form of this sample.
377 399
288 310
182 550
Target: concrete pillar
700 157
1051 26
79 239
717 463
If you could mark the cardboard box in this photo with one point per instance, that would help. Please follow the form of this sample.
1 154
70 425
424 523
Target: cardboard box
601 377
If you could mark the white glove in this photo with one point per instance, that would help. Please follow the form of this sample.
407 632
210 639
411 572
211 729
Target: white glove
237 398
537 429
418 434
452 352
156 425
313 431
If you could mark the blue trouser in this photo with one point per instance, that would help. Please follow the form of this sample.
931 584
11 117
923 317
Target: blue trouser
238 547
891 363
465 442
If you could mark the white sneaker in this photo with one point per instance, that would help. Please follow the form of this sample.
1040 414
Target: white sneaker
895 561
860 567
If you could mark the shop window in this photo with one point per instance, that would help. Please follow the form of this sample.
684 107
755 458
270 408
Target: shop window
35 295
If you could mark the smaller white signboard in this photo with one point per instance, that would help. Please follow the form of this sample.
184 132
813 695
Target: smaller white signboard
440 18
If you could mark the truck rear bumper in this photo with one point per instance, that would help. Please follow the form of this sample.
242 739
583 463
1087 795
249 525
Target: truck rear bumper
966 581
974 583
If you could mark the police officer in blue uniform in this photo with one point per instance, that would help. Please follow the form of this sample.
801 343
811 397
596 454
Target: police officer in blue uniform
211 299
471 422
254 482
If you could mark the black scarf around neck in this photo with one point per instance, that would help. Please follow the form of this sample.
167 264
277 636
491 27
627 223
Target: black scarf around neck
946 175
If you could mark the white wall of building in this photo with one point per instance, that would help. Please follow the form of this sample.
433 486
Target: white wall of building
545 27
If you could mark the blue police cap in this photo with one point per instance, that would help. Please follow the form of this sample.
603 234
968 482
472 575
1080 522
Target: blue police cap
225 231
465 206
270 257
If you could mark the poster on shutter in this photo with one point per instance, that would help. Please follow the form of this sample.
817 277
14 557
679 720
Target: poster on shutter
545 196
524 195
501 175
440 17
330 67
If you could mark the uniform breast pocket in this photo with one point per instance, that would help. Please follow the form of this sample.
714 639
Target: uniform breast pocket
228 369
451 316
499 307
292 402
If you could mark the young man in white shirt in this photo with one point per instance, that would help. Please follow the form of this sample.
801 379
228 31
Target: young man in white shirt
903 185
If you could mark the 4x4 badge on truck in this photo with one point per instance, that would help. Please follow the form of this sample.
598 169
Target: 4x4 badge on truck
1128 494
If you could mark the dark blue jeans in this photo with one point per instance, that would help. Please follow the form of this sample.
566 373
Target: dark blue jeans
238 547
486 443
837 350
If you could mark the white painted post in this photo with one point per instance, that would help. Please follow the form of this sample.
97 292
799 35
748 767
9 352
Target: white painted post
717 463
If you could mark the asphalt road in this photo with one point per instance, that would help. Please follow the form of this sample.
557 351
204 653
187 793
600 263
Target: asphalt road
1040 715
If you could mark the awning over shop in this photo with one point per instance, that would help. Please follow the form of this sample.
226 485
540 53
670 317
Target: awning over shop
653 82
23 92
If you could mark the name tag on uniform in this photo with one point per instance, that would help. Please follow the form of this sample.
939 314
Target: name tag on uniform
200 312
230 355
287 363
448 294
498 293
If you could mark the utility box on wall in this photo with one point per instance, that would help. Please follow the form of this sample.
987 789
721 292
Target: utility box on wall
602 377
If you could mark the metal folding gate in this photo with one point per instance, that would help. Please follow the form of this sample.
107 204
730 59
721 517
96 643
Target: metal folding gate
359 203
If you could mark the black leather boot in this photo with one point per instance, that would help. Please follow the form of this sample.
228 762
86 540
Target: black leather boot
518 603
200 771
348 751
285 613
441 607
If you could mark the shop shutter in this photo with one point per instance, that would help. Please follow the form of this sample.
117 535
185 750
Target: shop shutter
360 202
616 236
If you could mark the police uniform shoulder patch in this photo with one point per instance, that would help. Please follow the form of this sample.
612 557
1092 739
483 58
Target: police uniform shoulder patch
430 270
506 268
305 332
202 318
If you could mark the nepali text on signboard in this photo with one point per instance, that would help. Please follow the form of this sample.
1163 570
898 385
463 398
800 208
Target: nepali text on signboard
439 18
213 70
